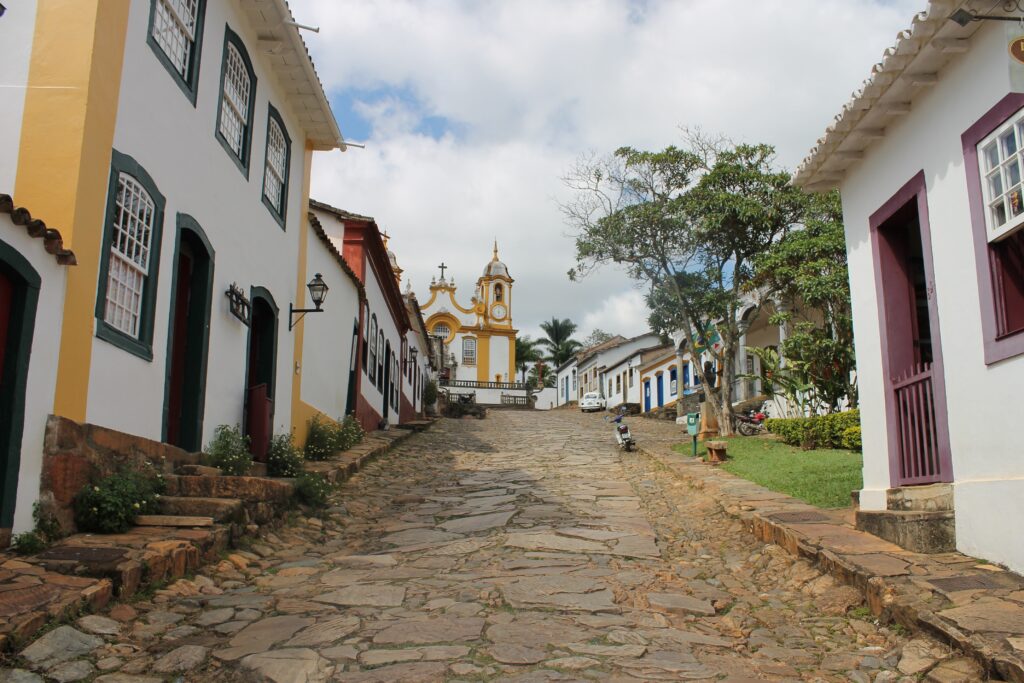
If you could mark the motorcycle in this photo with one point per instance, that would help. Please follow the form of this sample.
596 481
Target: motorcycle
751 423
622 434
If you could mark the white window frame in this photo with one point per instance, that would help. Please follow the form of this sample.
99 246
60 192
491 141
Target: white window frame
996 164
275 170
128 271
175 23
230 110
442 330
469 348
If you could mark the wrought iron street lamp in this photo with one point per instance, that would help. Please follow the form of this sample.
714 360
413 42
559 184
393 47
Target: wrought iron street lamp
317 292
412 360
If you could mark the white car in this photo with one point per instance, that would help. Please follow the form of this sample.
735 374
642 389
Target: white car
592 401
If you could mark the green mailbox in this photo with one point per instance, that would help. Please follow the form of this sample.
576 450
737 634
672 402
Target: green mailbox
692 423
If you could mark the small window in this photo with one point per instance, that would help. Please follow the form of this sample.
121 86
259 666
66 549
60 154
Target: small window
442 330
275 171
237 99
632 375
366 327
176 37
373 349
380 361
618 384
469 351
127 287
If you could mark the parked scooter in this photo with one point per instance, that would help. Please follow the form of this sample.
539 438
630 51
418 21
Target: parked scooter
622 434
752 422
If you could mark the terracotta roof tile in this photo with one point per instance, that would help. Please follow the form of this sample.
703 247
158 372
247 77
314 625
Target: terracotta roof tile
52 240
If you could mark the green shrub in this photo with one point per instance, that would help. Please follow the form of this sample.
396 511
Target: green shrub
820 431
284 459
313 489
28 543
111 505
349 433
851 438
327 437
320 439
229 451
430 393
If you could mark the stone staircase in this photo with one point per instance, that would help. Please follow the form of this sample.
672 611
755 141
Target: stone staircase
202 514
918 518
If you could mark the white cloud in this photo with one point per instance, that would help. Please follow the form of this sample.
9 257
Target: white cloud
624 313
532 84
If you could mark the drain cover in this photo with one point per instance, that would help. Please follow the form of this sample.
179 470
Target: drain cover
972 582
795 517
83 554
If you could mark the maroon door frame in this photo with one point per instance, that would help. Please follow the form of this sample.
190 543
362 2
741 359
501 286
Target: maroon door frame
914 190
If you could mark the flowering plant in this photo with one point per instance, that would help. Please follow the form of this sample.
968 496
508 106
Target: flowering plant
110 505
229 451
284 459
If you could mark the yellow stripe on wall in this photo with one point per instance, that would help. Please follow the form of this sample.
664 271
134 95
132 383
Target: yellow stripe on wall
74 83
301 411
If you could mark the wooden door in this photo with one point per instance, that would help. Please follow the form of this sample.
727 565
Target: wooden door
915 401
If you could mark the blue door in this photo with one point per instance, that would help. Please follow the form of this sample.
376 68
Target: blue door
647 395
661 390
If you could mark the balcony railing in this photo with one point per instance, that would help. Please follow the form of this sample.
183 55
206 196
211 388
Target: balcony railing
466 384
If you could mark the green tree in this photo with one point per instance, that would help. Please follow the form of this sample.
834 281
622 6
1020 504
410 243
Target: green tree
526 354
549 376
598 336
809 266
558 340
688 223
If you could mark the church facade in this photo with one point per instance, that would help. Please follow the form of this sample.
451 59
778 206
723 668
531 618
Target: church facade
479 336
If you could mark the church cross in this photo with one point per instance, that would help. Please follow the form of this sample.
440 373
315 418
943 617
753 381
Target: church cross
442 267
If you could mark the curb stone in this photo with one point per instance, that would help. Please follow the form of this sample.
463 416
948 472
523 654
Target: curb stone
901 596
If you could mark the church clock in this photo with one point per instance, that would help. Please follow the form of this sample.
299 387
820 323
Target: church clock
498 311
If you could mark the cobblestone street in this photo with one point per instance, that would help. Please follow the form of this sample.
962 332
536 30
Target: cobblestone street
523 547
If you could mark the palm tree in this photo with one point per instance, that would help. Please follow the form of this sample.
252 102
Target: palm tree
526 354
559 342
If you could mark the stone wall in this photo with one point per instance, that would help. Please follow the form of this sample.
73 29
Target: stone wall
75 455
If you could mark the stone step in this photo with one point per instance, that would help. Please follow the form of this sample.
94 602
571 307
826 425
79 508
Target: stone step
220 509
248 489
919 532
173 520
927 498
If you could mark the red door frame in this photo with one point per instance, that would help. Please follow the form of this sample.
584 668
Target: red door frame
914 190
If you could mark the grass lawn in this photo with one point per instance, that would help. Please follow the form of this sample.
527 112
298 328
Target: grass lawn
822 477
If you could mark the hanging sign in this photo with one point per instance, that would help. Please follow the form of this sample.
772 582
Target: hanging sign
1015 48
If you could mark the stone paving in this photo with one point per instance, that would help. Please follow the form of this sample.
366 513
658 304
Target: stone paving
523 547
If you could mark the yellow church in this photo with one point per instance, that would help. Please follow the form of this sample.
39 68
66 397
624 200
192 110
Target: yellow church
480 337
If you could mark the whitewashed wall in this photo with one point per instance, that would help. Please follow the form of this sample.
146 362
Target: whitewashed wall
567 393
327 337
158 126
984 401
500 349
17 29
546 399
664 367
42 370
386 324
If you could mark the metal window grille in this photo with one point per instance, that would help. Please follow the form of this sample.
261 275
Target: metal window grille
442 331
277 154
129 255
234 111
174 30
468 351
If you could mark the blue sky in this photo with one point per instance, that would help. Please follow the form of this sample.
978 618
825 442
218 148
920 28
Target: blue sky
472 111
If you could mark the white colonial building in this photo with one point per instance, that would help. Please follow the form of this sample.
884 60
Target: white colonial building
928 158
